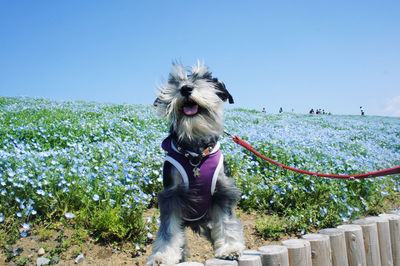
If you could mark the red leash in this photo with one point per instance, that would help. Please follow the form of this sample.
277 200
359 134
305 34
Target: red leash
390 171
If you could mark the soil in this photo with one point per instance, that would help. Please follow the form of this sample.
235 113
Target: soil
96 254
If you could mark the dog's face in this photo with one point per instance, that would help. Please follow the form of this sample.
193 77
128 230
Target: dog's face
193 102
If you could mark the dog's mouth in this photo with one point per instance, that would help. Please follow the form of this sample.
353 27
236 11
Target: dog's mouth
190 108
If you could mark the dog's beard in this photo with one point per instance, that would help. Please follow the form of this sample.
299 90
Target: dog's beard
203 123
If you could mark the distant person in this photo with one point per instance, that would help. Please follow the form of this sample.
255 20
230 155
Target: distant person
312 111
263 110
280 110
362 110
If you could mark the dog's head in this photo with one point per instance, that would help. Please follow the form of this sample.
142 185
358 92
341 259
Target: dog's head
193 101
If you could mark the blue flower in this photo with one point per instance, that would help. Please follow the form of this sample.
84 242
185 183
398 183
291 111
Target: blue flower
1 218
344 218
69 215
96 197
41 192
26 226
10 172
323 211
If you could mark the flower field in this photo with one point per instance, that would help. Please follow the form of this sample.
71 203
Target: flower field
98 166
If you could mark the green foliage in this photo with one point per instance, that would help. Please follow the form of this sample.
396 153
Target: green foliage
23 261
44 234
271 226
116 224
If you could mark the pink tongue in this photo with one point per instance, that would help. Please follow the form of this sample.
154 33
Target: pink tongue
190 110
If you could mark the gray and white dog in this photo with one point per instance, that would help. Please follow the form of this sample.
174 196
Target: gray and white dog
197 191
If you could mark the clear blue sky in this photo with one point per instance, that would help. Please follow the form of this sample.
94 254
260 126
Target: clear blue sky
334 55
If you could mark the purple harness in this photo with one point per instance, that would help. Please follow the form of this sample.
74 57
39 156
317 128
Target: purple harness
203 186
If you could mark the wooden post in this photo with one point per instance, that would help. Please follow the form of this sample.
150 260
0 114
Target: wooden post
299 252
320 249
395 212
249 260
252 253
371 242
189 263
219 262
384 239
274 255
394 225
355 244
338 246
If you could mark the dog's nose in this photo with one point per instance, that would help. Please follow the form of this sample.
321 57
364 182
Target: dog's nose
186 90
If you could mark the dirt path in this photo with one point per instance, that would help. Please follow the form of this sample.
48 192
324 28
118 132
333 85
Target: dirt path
94 254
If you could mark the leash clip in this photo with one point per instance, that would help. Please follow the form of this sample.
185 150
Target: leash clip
228 134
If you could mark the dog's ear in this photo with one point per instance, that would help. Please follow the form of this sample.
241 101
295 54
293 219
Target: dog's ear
157 102
160 107
222 91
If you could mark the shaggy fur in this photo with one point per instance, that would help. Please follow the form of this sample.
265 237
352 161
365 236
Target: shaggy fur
193 102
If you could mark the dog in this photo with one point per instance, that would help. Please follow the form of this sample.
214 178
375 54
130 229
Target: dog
197 190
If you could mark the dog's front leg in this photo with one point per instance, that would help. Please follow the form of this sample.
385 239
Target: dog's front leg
170 241
226 230
226 235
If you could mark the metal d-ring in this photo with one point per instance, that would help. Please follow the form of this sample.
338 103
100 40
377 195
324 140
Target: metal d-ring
195 164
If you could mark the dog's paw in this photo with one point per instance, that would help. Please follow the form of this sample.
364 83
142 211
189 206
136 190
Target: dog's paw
230 251
231 256
163 259
152 261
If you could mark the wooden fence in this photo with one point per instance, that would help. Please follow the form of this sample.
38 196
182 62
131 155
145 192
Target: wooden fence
374 241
